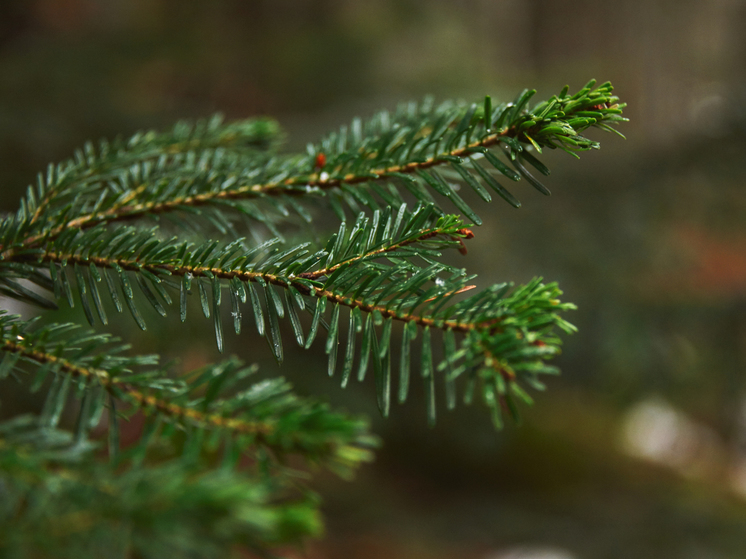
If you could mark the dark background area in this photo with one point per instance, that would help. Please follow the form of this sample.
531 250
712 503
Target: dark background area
639 448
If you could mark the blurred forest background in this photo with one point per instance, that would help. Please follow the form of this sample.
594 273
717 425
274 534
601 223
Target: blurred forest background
639 448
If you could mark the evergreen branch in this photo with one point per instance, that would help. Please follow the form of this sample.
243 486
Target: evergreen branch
450 233
373 160
378 276
549 125
503 331
143 252
265 414
301 282
74 192
118 387
185 144
264 278
59 502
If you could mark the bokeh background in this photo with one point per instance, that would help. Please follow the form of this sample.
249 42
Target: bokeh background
639 448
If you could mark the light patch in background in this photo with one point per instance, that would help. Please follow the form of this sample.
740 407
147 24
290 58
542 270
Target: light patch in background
12 306
656 431
738 471
738 478
532 553
708 112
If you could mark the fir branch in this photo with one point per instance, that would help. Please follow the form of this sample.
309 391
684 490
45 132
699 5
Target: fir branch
407 149
145 253
265 414
59 502
450 233
379 272
119 387
161 151
502 329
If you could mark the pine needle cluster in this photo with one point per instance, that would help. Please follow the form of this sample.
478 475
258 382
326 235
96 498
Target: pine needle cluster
217 212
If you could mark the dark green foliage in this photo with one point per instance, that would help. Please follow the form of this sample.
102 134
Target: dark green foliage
59 502
377 293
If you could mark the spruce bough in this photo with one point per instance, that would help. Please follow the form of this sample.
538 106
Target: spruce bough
129 223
